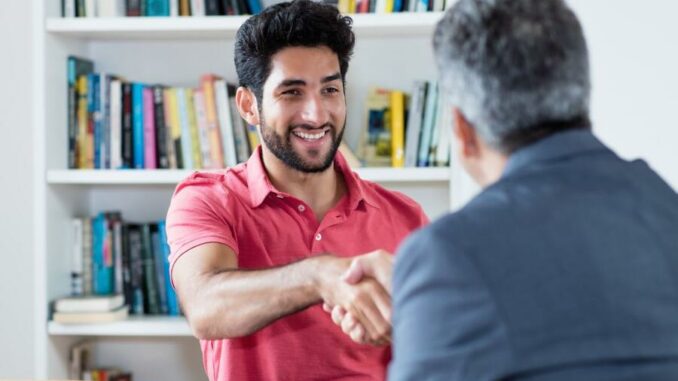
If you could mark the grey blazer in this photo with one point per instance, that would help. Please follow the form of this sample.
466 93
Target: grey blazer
565 269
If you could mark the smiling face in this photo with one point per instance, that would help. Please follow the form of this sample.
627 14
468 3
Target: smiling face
303 108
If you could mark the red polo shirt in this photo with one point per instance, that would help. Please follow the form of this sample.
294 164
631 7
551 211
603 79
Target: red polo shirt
264 227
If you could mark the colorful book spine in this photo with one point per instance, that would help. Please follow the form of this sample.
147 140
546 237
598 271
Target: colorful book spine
126 144
397 129
138 124
149 130
172 302
201 118
161 138
216 150
193 129
116 124
158 7
186 147
225 122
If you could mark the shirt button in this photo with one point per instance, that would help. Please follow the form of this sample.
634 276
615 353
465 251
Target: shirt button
318 237
301 208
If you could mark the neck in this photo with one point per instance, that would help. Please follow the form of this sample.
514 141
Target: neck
320 190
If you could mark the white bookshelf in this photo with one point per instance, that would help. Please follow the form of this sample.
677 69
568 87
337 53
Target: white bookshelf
135 326
172 177
391 51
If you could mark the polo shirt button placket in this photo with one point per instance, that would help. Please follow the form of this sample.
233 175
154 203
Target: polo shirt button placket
301 208
318 237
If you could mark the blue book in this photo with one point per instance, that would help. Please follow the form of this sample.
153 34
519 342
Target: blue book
158 262
138 125
172 302
157 8
102 265
255 6
96 118
397 5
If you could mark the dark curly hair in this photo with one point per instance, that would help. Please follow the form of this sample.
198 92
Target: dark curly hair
296 23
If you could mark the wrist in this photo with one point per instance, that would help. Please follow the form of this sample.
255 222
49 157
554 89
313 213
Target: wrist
326 270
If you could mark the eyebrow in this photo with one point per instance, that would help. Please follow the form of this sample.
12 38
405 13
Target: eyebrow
301 82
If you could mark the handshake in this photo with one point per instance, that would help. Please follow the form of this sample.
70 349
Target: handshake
357 293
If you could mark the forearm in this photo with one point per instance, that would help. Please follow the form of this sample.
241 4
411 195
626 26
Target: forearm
234 303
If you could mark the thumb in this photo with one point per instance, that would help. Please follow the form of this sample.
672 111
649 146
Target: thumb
354 273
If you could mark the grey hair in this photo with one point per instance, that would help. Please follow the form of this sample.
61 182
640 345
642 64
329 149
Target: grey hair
511 66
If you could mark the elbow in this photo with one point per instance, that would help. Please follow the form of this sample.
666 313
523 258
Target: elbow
207 327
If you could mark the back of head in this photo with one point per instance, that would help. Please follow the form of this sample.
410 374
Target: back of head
298 23
516 69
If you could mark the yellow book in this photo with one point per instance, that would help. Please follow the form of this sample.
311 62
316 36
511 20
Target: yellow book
352 6
343 6
171 154
213 130
252 137
193 128
83 123
174 124
375 144
397 129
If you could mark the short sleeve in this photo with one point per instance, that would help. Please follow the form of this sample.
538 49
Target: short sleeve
197 215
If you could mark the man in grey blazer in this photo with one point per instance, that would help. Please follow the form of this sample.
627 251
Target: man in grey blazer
565 266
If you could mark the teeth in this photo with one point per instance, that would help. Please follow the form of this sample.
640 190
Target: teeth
306 136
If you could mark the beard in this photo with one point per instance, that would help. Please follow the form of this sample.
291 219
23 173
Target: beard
281 147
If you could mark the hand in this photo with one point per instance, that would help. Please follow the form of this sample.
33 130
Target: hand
351 327
368 303
377 264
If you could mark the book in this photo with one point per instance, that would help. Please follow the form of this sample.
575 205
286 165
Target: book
89 303
79 359
376 139
427 127
76 67
397 129
116 124
117 314
414 122
138 125
149 129
225 122
214 134
76 259
162 142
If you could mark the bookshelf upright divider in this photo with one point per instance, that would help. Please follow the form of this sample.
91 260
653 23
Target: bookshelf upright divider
392 50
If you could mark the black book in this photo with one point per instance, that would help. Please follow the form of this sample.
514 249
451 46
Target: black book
161 132
227 8
126 270
127 144
151 297
136 265
76 67
133 8
212 8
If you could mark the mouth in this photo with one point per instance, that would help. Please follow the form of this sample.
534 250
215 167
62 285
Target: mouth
310 135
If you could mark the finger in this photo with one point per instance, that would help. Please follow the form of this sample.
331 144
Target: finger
377 326
358 334
348 324
358 312
354 273
327 308
338 314
382 300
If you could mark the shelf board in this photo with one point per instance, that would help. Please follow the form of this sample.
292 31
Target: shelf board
133 326
172 177
220 27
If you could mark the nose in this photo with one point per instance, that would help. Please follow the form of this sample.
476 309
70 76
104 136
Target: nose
314 111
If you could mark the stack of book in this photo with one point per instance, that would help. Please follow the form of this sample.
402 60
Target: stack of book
79 367
90 309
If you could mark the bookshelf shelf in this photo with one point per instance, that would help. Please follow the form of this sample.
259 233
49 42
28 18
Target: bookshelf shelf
220 27
162 326
172 177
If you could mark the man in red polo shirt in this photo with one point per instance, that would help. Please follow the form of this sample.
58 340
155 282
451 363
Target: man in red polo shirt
256 250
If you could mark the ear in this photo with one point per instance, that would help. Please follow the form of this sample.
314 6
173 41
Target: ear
465 134
247 105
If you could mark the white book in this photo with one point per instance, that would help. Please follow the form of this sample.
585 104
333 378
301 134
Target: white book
445 139
186 147
414 121
91 317
69 8
76 259
225 122
435 136
91 8
116 124
89 303
174 8
110 8
198 8
117 256
427 127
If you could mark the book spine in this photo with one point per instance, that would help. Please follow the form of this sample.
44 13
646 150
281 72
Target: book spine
186 150
427 128
174 8
171 154
158 261
87 255
118 280
136 270
172 302
397 129
76 259
116 124
138 124
197 8
149 130
216 150
175 127
201 118
151 296
105 123
133 7
158 8
225 122
82 121
126 144
91 111
160 128
254 6
212 8
414 123
126 270
97 117
193 129
71 76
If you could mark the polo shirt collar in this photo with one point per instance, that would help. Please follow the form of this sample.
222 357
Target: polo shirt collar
260 186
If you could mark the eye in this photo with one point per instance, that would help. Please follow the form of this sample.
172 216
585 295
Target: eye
291 93
331 90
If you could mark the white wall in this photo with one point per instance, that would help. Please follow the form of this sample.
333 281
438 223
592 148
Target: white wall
16 184
634 58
